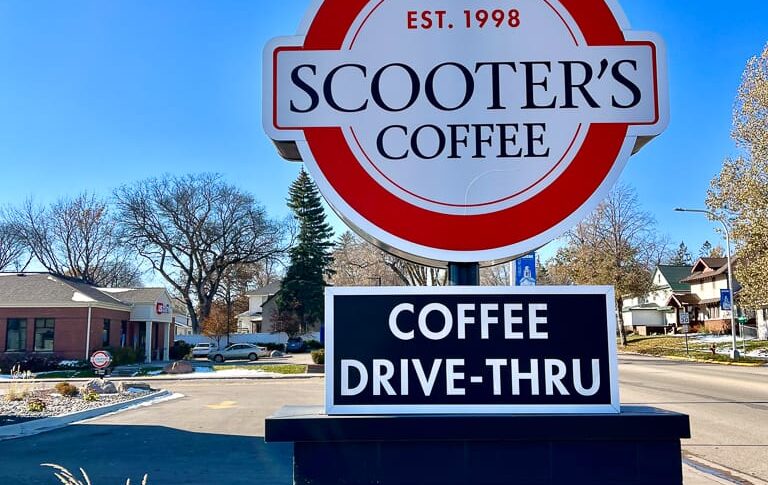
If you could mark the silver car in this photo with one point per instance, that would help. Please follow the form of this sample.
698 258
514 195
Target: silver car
203 349
238 351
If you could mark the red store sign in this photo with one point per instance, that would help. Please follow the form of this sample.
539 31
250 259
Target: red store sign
455 131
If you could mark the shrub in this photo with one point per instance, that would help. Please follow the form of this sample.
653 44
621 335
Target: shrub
273 346
66 389
36 406
180 350
29 362
91 396
313 345
125 355
318 356
20 386
66 477
15 394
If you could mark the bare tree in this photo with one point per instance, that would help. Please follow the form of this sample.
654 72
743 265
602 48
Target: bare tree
13 253
233 290
360 263
616 245
414 274
76 238
495 275
193 229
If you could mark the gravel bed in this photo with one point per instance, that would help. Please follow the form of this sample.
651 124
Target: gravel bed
12 412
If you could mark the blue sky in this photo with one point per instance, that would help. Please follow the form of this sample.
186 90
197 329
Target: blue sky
97 93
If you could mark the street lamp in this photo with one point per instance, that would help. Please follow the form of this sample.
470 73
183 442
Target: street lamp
712 215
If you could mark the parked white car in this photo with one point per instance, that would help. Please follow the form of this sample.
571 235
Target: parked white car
238 351
203 349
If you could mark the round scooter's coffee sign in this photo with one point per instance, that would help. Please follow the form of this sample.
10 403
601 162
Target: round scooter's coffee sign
462 131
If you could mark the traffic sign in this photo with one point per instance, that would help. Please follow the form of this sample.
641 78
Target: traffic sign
101 359
467 133
685 319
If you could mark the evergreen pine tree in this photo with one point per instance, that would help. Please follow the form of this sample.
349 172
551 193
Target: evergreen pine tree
706 250
682 257
310 259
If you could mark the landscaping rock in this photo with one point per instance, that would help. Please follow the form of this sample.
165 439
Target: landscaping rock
276 353
179 367
100 386
124 386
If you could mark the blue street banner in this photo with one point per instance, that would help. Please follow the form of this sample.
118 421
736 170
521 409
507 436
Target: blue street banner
525 270
725 300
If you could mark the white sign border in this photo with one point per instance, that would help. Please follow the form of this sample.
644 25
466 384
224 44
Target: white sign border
433 256
486 409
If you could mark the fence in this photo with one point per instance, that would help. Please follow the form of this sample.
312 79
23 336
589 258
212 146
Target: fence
249 338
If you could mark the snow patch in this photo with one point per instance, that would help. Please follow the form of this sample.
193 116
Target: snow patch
714 339
232 373
80 297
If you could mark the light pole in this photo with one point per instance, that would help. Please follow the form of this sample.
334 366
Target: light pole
712 215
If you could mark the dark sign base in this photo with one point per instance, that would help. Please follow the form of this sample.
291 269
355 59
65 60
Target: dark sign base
639 446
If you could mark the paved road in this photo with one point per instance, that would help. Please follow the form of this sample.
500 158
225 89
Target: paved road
212 436
217 429
728 407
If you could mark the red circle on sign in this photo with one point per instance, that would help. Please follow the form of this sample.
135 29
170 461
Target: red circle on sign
101 359
591 167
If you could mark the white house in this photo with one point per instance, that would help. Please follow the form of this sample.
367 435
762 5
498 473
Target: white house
258 317
709 276
656 311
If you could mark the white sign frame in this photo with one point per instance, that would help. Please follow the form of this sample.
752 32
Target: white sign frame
332 408
392 240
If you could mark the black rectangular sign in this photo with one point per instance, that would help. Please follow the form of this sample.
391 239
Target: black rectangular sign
471 350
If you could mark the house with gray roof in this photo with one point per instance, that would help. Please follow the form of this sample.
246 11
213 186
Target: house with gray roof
46 313
261 306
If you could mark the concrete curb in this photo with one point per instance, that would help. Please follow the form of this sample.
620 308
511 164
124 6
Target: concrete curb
37 426
716 473
694 360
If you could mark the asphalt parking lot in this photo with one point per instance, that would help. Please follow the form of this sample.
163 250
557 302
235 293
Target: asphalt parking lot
212 435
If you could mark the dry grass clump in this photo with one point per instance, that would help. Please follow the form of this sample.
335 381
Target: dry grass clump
68 478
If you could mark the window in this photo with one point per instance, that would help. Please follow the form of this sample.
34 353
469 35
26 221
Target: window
765 314
44 334
105 333
123 333
714 312
16 336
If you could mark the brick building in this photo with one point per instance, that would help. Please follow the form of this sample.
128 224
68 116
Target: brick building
43 313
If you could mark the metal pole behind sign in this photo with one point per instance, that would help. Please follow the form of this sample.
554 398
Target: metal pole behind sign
464 274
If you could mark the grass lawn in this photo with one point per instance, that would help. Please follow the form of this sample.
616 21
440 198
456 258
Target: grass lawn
276 368
666 346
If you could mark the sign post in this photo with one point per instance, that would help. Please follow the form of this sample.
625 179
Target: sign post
453 133
685 320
